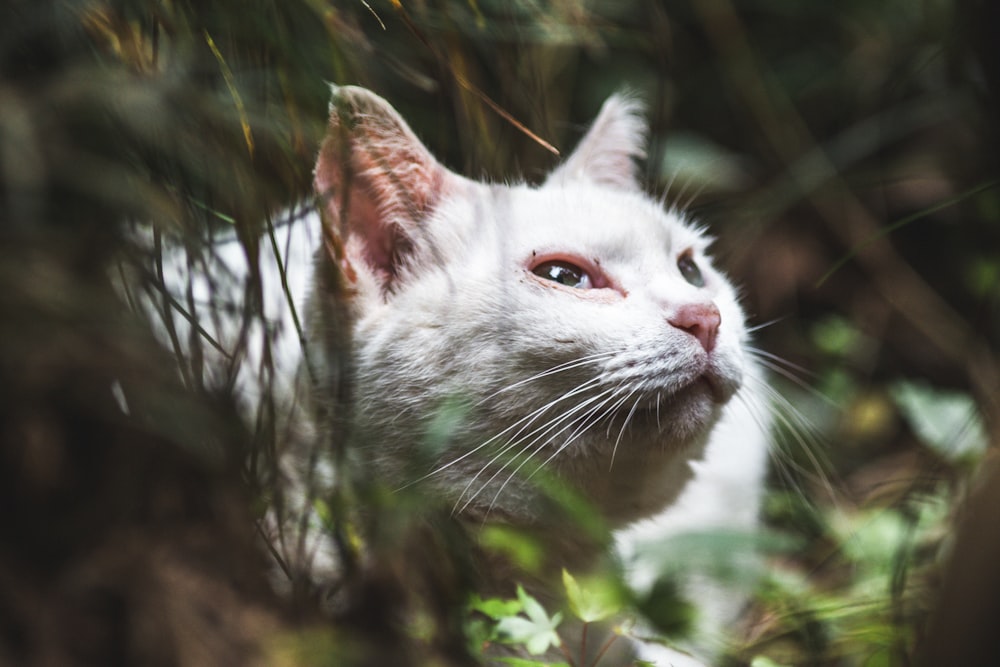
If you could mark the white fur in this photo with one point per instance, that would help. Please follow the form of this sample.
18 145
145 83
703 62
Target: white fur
594 386
482 310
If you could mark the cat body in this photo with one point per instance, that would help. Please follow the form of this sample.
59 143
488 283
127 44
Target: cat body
573 331
579 328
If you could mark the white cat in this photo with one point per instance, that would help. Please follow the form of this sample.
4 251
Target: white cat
573 331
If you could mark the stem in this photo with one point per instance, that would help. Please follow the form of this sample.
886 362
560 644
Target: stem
604 648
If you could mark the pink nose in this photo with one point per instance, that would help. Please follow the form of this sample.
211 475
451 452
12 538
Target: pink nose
701 320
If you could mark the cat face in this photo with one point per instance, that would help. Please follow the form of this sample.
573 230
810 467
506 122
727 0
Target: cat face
575 327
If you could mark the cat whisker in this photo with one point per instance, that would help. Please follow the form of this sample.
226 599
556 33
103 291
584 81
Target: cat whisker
690 200
526 421
802 432
791 377
560 368
795 424
520 425
614 408
760 327
782 367
621 433
532 437
583 426
659 397
589 384
669 187
764 422
785 369
594 415
579 420
675 207
601 411
790 416
778 360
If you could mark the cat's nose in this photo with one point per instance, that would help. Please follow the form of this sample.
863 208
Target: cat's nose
701 320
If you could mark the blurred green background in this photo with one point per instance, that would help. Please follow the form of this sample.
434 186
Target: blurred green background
844 155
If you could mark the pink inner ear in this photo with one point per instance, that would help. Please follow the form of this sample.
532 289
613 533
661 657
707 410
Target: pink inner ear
380 243
382 214
378 181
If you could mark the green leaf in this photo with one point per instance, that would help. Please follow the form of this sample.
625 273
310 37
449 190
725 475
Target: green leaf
528 662
495 608
726 555
532 607
536 629
872 540
946 421
593 600
836 336
764 661
982 275
522 549
880 658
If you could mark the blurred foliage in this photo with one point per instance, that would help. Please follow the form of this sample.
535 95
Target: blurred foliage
845 154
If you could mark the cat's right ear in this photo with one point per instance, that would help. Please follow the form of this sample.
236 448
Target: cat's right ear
376 184
607 154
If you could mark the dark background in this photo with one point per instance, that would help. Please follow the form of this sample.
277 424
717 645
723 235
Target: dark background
844 154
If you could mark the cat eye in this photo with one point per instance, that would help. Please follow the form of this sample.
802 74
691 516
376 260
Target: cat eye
563 273
690 271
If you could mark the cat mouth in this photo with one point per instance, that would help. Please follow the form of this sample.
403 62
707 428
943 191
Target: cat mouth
704 389
710 389
706 381
681 415
711 383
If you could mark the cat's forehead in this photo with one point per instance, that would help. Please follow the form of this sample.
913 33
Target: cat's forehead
598 218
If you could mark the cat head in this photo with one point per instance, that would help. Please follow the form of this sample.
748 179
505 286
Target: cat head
575 327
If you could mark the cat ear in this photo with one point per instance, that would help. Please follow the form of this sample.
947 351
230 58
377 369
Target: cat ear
376 183
607 154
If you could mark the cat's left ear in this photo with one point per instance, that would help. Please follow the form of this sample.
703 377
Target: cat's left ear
607 154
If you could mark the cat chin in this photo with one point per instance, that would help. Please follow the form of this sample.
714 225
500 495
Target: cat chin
689 413
709 390
687 417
